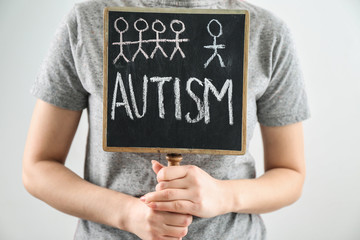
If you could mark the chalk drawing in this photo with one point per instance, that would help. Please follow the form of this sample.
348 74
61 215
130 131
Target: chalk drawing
121 42
177 40
140 38
215 46
162 30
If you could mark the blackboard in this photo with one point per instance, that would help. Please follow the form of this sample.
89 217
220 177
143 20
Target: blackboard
175 80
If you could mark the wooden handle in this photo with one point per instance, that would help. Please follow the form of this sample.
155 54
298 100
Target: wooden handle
174 159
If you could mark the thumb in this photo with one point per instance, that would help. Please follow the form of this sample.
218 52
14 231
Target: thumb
156 166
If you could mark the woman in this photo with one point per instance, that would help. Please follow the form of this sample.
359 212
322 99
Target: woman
209 197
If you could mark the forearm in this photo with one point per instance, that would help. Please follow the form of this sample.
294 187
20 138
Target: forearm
275 189
190 190
61 188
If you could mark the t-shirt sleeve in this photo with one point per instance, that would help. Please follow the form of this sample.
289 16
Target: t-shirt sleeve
284 100
58 82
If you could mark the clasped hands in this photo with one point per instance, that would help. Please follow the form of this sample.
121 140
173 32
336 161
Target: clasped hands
186 190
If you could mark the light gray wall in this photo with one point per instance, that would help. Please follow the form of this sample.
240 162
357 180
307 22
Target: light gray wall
327 34
28 27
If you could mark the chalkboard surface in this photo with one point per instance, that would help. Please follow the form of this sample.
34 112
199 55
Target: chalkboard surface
175 80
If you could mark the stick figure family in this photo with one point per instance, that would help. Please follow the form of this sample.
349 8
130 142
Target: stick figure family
158 27
141 25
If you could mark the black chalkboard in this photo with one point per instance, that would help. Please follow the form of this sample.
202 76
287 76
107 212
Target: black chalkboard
175 80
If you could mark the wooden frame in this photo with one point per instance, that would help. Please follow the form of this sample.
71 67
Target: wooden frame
176 150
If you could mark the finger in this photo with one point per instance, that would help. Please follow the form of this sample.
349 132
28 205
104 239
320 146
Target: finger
178 206
182 183
172 172
173 231
167 195
177 219
156 166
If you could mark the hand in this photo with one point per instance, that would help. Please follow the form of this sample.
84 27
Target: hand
149 224
187 190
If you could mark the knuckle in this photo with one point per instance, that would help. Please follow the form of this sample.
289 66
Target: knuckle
148 217
188 220
178 205
196 181
150 221
147 228
168 194
150 230
194 176
192 169
161 174
183 232
151 217
197 196
196 207
154 236
160 186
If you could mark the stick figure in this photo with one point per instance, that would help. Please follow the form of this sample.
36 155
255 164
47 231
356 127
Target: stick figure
140 38
215 46
177 40
120 43
162 30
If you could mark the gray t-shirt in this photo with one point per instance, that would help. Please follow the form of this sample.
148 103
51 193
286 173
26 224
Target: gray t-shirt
72 78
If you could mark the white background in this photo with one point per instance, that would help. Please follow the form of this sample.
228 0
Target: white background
327 35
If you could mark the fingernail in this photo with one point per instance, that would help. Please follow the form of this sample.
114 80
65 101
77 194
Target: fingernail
142 199
153 162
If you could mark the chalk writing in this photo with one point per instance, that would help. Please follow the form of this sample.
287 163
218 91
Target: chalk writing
161 81
202 105
119 83
175 80
144 97
227 87
177 99
199 104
